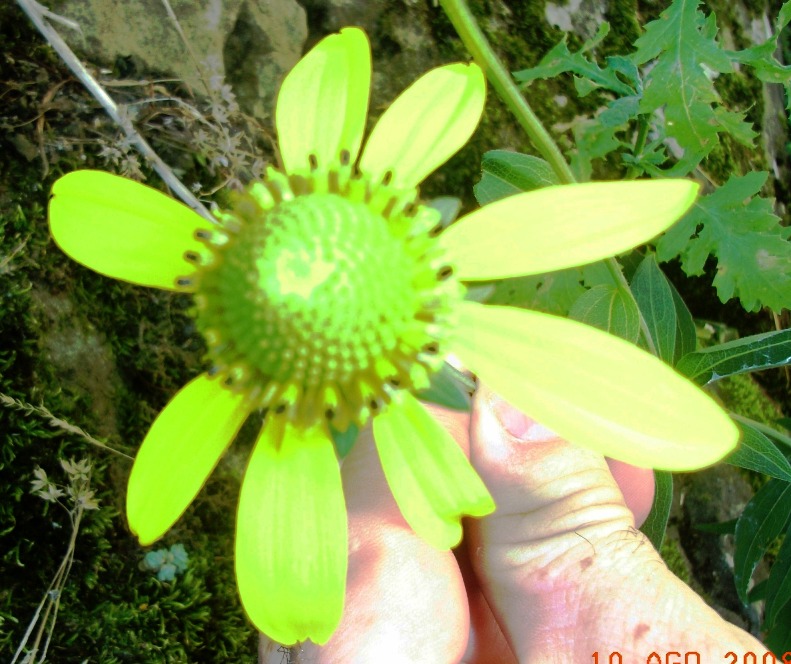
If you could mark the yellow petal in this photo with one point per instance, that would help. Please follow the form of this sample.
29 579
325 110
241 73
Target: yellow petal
593 389
563 226
178 454
431 479
427 124
291 535
123 229
323 102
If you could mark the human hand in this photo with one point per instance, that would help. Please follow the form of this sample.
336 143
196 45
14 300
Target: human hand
557 573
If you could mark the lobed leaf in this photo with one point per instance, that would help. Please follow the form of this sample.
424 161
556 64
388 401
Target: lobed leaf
741 230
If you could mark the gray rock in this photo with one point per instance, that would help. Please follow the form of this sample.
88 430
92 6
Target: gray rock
251 43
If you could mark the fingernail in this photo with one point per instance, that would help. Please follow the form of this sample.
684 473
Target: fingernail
519 425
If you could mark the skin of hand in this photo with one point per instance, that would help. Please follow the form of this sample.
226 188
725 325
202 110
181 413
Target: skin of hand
557 573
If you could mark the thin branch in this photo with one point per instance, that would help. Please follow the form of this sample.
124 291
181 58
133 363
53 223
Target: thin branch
42 411
118 114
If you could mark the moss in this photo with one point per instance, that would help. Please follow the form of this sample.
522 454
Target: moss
104 356
675 560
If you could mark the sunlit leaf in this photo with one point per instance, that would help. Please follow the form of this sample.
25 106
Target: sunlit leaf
753 353
763 519
656 523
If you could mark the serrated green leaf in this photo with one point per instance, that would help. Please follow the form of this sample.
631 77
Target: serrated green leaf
752 249
753 353
446 389
506 173
656 523
763 519
762 56
683 43
609 309
651 289
592 140
733 122
778 592
560 60
620 111
757 452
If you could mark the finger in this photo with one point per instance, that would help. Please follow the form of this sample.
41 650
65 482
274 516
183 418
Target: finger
405 600
553 499
636 485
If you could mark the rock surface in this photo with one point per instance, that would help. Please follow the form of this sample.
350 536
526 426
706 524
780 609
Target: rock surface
251 43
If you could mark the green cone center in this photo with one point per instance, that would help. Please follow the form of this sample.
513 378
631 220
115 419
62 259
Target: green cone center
313 292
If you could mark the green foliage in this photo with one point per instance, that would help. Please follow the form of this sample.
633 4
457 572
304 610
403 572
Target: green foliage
757 452
753 353
763 519
739 228
610 309
676 103
656 523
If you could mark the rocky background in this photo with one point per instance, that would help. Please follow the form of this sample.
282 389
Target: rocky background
105 357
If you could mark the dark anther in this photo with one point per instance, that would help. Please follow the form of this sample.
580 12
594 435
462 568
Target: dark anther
281 408
184 282
213 370
388 209
374 404
329 413
434 232
346 157
444 273
202 235
387 178
410 209
192 257
432 348
394 381
228 381
313 161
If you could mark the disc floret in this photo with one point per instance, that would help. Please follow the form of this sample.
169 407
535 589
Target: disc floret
324 294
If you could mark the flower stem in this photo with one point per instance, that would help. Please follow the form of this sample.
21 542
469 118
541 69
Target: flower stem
477 44
483 54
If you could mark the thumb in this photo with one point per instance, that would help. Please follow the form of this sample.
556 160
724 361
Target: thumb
554 502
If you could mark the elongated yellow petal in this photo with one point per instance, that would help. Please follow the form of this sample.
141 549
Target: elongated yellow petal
427 124
291 535
323 102
593 389
563 226
123 229
184 444
431 479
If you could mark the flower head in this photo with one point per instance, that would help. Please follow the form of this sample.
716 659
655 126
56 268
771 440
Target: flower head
328 294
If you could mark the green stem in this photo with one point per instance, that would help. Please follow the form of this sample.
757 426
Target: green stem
477 44
483 54
639 144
